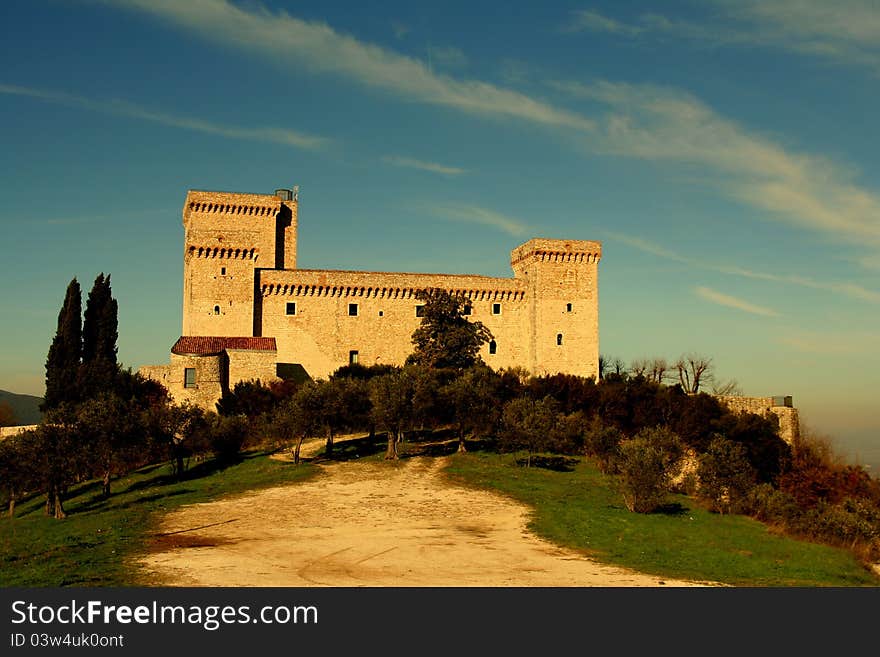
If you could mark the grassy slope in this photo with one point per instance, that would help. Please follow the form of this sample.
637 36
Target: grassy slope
581 509
93 546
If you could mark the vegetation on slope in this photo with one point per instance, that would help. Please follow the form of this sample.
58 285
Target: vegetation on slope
97 543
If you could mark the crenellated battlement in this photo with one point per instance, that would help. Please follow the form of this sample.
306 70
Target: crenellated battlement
230 253
557 251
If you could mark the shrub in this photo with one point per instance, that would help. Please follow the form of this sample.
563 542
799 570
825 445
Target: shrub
226 435
772 505
725 476
643 475
528 424
602 442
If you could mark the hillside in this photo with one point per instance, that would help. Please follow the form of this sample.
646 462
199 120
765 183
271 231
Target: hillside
25 407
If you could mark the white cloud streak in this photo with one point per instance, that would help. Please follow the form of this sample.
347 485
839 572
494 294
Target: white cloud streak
657 124
845 31
320 48
851 290
433 167
638 121
733 302
129 110
477 215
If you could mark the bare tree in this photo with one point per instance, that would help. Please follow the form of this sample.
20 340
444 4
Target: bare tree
658 370
640 367
693 370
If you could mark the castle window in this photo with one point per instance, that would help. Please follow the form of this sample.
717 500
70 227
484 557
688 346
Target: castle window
381 313
352 310
496 308
568 307
559 338
216 310
189 377
420 311
352 357
290 308
467 310
493 347
223 271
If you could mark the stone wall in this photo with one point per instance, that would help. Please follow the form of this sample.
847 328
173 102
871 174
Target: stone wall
789 425
7 432
210 378
321 335
247 364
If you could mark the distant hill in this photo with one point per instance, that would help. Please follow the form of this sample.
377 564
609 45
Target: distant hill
25 407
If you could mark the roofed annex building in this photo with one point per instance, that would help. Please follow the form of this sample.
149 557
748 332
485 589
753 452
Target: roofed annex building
250 313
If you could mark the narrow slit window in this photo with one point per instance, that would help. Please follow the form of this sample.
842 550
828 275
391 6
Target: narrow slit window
353 357
189 377
352 310
568 307
496 308
493 347
559 338
216 310
290 308
223 271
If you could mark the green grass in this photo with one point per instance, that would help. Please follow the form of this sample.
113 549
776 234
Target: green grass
580 509
95 544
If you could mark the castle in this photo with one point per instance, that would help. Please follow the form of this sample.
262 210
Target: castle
250 313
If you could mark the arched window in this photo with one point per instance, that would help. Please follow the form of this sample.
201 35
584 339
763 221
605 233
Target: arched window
493 347
559 338
216 310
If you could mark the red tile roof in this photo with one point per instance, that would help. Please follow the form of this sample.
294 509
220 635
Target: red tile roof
204 345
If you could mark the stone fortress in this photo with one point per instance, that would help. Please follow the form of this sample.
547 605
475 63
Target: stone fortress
250 313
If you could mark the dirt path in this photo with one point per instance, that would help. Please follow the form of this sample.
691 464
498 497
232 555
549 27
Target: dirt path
370 524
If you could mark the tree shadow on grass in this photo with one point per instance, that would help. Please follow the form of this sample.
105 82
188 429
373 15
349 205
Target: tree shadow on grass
671 509
99 502
350 450
555 463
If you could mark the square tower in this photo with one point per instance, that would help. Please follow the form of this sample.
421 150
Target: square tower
227 239
562 295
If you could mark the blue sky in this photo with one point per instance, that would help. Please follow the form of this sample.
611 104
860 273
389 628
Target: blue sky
723 152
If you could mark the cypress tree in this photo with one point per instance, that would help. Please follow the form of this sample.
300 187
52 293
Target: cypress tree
65 353
100 333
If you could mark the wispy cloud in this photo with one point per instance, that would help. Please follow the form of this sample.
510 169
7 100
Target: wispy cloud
592 21
126 109
638 121
851 290
661 124
649 247
733 302
433 167
317 46
846 31
476 215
